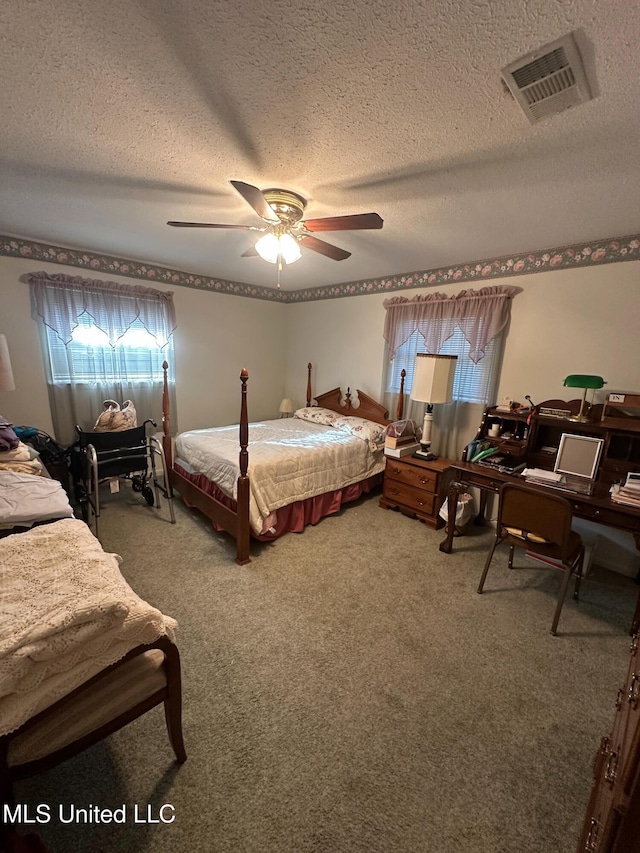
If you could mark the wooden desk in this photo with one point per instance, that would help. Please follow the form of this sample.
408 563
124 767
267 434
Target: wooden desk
597 507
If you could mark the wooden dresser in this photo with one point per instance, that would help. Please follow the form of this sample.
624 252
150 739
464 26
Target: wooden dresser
612 821
416 487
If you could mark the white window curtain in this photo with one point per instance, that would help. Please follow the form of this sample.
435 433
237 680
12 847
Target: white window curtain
470 325
102 341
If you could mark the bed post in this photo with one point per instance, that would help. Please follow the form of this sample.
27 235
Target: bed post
166 438
400 406
309 384
242 534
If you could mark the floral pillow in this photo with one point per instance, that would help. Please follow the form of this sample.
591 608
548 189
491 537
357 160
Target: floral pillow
318 415
371 432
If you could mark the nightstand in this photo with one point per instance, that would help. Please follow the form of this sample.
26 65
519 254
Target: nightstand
416 487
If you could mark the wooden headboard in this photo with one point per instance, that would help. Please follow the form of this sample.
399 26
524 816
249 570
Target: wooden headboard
367 407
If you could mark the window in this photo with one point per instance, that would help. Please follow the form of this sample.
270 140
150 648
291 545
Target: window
102 341
469 325
90 356
473 383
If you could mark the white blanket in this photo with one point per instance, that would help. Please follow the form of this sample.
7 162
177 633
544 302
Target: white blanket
25 499
289 460
66 613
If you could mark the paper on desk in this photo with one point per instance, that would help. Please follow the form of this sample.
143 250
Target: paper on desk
541 474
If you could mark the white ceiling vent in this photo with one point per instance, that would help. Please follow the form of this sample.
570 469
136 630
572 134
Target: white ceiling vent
548 80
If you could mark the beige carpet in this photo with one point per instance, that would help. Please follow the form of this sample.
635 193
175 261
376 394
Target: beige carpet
349 691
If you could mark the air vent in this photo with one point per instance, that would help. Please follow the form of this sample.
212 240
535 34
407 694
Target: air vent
548 80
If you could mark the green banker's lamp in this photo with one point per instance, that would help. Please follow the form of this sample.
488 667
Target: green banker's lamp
586 382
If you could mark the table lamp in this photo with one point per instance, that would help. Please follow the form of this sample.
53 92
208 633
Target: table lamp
286 408
432 383
577 380
6 373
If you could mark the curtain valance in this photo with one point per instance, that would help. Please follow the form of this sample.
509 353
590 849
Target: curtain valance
479 314
61 299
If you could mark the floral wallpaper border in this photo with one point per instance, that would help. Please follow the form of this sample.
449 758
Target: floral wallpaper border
587 254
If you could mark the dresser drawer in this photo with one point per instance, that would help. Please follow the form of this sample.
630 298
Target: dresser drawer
419 501
409 475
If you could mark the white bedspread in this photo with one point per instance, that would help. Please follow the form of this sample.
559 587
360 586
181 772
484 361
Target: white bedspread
25 499
66 612
289 460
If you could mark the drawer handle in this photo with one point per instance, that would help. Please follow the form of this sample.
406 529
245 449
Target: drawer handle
424 481
396 470
634 690
612 766
591 844
421 503
393 490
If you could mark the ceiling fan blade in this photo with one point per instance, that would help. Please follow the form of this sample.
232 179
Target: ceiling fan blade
323 248
356 222
212 225
254 197
251 252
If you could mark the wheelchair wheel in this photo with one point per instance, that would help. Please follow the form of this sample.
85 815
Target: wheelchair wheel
147 494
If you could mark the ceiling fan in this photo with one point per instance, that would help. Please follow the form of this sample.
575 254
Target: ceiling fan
286 230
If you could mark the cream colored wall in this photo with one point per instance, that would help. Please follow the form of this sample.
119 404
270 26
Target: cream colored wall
574 321
342 338
570 321
217 336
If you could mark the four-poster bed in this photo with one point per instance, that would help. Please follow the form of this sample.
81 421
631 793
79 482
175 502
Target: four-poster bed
302 468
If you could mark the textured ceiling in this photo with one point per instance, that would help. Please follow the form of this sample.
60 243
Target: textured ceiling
116 117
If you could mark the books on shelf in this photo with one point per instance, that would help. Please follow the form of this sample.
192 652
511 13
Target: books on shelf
627 493
621 496
403 450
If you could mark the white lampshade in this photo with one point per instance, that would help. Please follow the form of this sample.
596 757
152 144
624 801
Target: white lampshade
433 378
287 407
6 373
270 248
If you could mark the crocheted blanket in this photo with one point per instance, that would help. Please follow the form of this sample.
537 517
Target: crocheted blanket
66 612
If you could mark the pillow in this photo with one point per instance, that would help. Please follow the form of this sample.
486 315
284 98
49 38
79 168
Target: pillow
317 414
371 432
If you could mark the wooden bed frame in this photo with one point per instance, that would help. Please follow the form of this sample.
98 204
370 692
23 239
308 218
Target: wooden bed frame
236 522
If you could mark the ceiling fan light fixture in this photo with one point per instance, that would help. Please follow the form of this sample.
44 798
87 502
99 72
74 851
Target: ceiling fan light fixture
271 247
289 249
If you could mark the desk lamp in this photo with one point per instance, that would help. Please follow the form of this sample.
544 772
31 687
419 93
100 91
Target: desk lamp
286 408
432 383
577 380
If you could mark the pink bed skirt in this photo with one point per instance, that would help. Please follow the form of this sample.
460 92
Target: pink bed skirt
294 517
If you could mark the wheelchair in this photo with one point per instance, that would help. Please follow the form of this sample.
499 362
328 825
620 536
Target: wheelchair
98 457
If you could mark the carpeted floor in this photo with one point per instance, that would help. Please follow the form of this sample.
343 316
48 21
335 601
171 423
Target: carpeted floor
349 691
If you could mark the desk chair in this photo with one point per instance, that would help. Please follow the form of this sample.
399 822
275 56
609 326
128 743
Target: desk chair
541 524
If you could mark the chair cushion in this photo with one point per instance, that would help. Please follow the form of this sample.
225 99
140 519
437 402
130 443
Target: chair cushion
91 708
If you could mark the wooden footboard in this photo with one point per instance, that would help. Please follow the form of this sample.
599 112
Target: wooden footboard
234 522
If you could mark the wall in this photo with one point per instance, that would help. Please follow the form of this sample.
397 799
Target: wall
217 336
570 321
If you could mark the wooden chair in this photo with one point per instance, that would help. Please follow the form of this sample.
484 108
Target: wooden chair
145 677
538 522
